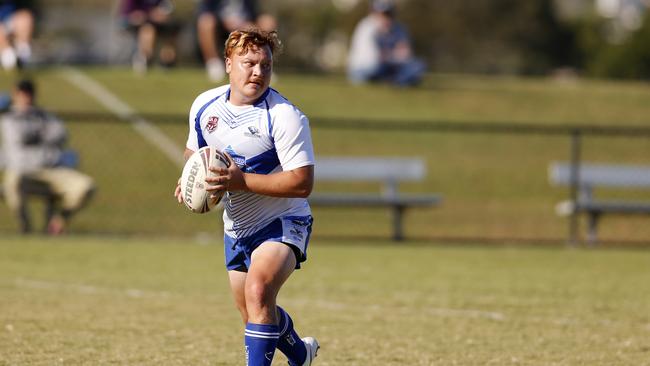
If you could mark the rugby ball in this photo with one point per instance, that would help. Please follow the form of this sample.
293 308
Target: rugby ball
193 184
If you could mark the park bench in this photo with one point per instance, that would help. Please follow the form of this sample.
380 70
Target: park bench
592 176
387 171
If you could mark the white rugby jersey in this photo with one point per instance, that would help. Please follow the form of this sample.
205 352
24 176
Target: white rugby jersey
268 137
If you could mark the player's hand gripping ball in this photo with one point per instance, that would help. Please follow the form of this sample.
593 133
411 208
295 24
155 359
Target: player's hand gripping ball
193 184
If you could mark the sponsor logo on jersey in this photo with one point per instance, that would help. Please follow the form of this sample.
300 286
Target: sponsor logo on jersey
239 160
253 132
213 121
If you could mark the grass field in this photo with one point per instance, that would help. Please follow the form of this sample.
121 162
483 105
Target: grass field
89 301
132 298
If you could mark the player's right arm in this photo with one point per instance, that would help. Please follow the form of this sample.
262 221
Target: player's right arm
191 145
187 153
177 192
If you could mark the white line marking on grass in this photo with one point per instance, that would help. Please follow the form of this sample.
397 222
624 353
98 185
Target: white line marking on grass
109 100
86 289
470 313
443 312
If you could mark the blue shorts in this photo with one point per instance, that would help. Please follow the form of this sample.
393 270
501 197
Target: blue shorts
293 231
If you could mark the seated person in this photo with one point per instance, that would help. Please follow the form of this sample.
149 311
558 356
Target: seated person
32 142
16 28
148 19
381 50
216 19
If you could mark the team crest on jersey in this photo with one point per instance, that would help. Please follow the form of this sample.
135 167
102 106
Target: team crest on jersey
212 124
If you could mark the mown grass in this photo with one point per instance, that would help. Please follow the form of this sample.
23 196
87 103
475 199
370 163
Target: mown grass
493 185
85 300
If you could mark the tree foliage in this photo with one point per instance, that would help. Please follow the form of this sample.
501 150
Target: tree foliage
497 36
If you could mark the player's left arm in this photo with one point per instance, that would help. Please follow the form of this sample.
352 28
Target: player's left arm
291 183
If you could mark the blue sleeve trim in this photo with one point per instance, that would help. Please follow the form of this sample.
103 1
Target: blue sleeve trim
270 125
197 122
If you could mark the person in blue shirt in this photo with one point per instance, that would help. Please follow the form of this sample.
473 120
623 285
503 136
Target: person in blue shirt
34 146
380 49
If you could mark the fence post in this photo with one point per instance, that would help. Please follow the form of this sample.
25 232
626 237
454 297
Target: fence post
576 140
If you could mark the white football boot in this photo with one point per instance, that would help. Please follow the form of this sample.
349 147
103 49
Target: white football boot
312 350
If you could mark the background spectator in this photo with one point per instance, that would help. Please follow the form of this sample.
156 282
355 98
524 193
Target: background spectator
5 101
381 49
216 19
16 29
33 142
148 19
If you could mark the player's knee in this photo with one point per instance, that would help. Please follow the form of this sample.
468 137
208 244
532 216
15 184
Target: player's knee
256 292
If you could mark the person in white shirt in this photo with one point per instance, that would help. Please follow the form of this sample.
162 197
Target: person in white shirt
267 220
16 30
380 49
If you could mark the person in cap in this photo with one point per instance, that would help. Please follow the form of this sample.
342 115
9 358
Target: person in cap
33 143
380 49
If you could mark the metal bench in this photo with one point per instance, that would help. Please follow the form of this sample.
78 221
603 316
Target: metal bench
388 171
30 188
591 176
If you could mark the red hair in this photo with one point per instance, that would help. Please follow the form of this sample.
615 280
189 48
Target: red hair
244 40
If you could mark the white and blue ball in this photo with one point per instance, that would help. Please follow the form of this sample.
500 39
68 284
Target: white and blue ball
193 185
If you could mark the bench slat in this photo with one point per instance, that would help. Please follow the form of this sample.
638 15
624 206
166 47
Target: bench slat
565 208
373 200
369 169
609 175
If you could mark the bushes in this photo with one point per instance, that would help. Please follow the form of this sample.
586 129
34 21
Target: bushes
629 59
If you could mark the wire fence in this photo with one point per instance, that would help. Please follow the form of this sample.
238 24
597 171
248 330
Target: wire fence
493 178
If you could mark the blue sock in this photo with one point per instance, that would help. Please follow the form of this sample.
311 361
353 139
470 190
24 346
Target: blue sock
289 342
260 341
